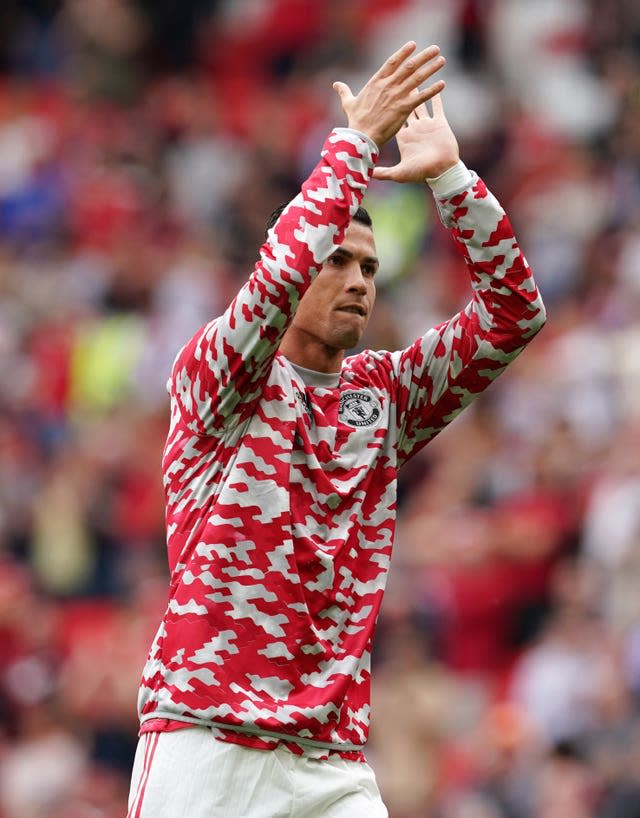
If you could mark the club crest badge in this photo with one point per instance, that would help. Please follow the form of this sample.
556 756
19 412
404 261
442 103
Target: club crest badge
358 409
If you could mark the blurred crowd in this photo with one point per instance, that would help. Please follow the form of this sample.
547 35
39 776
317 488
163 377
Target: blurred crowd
142 145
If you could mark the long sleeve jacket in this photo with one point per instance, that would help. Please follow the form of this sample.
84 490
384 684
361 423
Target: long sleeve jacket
281 497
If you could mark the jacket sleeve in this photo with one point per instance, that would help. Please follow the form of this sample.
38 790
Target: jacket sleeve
219 375
442 372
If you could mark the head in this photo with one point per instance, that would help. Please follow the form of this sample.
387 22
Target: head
361 215
334 312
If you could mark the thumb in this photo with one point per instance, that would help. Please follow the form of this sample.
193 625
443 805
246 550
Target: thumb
386 174
343 91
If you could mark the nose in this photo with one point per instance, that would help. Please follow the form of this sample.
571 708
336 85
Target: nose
355 282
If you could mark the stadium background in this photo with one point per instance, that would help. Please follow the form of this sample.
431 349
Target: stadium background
142 144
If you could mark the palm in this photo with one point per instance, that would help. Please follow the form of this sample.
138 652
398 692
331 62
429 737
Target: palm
427 146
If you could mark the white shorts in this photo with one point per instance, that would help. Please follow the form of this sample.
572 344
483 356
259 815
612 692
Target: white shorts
191 774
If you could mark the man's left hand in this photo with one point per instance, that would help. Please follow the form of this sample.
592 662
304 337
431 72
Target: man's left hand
427 146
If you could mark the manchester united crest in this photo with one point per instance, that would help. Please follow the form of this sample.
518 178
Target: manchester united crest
358 409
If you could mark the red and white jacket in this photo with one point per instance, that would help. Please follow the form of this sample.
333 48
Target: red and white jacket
281 496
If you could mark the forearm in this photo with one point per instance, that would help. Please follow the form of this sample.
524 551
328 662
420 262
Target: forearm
220 372
313 223
506 301
453 363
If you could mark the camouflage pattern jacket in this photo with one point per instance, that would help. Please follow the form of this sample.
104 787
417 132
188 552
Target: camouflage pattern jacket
281 496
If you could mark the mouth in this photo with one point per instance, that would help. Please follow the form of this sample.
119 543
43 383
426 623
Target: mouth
354 309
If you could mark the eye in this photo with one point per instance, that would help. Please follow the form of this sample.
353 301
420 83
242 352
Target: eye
337 260
369 270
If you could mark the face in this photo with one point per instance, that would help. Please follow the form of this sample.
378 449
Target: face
335 310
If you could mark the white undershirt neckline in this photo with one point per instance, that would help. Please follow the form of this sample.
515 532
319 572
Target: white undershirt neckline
311 377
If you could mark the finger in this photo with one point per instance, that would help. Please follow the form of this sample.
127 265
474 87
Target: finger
429 93
385 174
343 91
411 65
421 111
437 106
423 73
391 64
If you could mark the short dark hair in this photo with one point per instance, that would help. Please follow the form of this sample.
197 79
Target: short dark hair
361 215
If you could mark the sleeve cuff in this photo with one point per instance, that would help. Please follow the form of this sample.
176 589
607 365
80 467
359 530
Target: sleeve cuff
364 136
454 180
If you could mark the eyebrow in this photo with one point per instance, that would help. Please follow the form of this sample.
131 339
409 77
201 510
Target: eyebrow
349 254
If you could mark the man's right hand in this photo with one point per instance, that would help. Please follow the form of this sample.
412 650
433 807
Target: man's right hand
392 93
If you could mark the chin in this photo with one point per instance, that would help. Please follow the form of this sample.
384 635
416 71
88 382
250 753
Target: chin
346 335
349 340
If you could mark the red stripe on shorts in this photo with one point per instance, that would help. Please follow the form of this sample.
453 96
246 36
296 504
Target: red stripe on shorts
149 752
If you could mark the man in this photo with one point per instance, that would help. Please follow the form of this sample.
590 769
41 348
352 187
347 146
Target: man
280 475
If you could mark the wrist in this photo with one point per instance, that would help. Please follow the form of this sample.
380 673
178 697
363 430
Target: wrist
365 136
451 180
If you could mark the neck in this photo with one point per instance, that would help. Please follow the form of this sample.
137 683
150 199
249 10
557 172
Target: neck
310 353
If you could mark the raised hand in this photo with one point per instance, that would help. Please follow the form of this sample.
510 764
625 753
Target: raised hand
392 93
427 146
